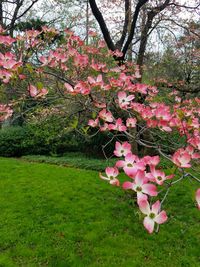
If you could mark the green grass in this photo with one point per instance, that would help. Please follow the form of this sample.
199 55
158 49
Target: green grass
73 159
56 216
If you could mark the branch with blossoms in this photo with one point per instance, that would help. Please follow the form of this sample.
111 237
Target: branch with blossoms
89 75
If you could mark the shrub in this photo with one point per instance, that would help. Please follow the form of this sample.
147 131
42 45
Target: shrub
13 141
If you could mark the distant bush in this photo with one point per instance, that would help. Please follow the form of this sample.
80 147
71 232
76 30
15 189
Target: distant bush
16 141
13 141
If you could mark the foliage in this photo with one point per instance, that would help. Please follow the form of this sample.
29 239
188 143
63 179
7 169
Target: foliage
13 141
35 24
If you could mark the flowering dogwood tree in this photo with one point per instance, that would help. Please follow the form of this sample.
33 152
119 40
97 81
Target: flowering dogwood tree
112 94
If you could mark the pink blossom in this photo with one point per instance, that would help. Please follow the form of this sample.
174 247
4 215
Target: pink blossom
93 123
131 165
82 88
69 88
5 112
198 198
6 40
111 173
98 81
151 161
131 122
106 115
122 149
124 100
153 214
5 75
104 127
182 158
158 176
192 152
35 92
118 126
141 186
195 142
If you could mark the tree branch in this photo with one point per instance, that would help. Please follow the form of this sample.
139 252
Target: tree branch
99 17
133 26
125 28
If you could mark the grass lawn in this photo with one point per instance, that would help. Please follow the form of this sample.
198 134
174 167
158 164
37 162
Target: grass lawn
56 216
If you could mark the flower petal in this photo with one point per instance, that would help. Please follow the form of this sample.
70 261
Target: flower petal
127 185
148 224
144 206
161 217
156 207
150 189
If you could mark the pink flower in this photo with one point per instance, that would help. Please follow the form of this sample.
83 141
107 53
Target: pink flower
153 215
131 122
182 158
5 112
98 81
35 92
158 176
122 149
124 100
69 88
82 88
131 165
198 198
151 161
93 123
118 126
111 173
192 153
6 40
5 75
195 141
106 115
141 186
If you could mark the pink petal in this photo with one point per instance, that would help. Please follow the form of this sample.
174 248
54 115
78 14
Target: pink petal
120 163
130 97
114 182
126 145
141 197
130 158
161 217
140 165
156 207
144 207
148 224
150 189
139 177
118 146
121 95
130 171
68 87
110 171
33 90
127 185
198 198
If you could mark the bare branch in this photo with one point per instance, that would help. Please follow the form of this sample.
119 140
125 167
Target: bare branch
125 28
99 17
133 26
